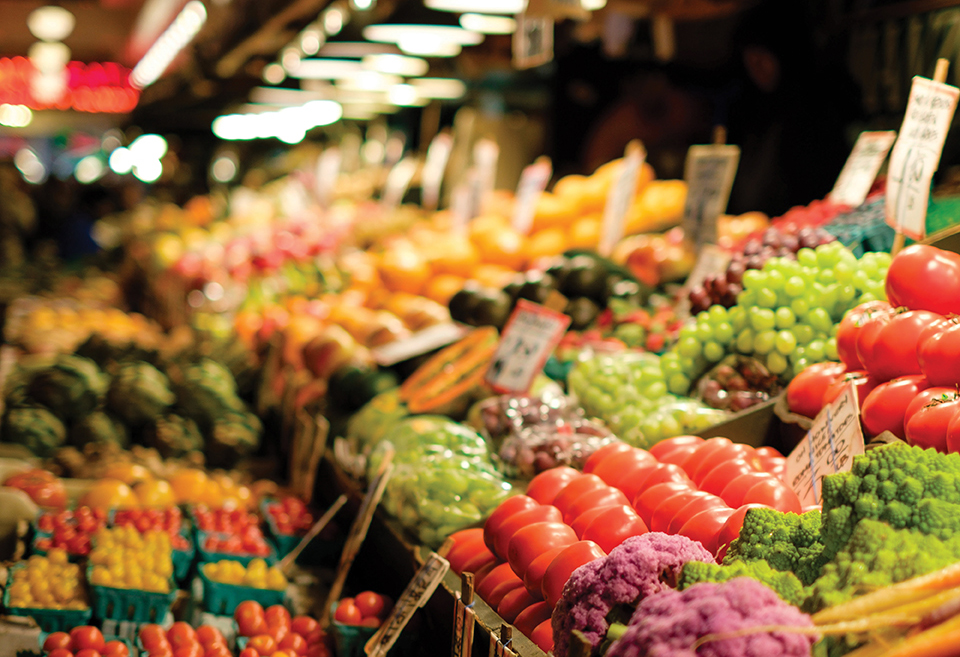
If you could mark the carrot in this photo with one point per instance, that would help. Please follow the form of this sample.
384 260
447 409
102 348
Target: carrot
940 641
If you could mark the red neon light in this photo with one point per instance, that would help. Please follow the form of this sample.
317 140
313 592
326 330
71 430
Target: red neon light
102 88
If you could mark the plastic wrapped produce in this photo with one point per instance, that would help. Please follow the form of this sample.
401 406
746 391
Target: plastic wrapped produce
737 383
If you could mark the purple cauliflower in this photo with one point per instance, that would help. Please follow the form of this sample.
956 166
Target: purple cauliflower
669 623
638 567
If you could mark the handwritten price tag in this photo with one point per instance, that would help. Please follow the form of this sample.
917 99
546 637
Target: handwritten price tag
710 171
533 181
857 176
620 197
532 41
916 155
418 591
433 168
832 442
531 334
398 181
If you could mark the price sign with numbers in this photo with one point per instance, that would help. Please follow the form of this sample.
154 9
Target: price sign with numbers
857 176
532 41
533 181
620 197
710 171
528 339
916 155
832 442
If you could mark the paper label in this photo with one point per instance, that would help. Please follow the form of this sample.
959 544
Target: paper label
532 41
832 442
620 197
916 155
418 591
398 181
857 176
433 169
533 181
418 344
709 171
328 171
530 336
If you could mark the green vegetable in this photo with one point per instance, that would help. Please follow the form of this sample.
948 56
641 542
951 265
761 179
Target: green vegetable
786 541
139 393
35 428
375 420
207 392
72 387
172 435
234 435
98 427
785 583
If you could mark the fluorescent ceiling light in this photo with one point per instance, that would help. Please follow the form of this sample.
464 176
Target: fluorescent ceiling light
51 23
290 124
181 32
429 47
488 24
280 96
593 5
88 170
442 88
369 81
326 69
310 41
478 6
355 49
389 33
148 147
121 161
405 95
273 73
333 20
396 65
48 57
15 116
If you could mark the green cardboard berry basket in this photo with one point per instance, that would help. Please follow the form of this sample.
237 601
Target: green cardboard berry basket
114 603
318 550
49 620
222 599
349 639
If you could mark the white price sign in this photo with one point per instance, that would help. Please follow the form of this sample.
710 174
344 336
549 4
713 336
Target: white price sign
709 172
398 181
533 181
916 155
832 442
433 168
620 197
532 41
857 176
528 339
328 171
486 153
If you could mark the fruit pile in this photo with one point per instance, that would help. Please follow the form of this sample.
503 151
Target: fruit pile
42 486
256 574
125 559
49 582
183 640
230 531
366 609
84 641
272 632
290 516
169 520
69 530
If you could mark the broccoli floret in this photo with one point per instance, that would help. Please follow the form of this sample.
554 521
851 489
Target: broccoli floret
878 555
786 584
786 541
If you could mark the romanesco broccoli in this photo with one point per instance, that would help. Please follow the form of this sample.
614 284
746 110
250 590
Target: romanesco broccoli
786 541
785 583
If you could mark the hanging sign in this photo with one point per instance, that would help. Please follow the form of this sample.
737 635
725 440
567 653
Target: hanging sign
710 171
620 197
533 181
532 41
861 169
530 336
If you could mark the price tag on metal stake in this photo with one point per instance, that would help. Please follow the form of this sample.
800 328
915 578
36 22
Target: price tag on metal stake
857 176
533 181
709 172
620 197
530 336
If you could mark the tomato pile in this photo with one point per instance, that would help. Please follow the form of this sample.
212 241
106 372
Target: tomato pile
366 609
256 574
272 632
181 640
49 582
290 516
70 530
169 520
124 558
44 488
83 641
232 531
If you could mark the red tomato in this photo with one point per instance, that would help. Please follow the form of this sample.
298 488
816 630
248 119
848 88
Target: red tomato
467 549
371 621
217 650
544 487
581 522
88 652
885 406
600 455
347 612
208 634
86 637
516 522
734 451
57 640
705 527
731 529
562 566
278 615
669 506
925 277
775 494
181 634
296 643
658 474
862 380
867 337
465 535
369 604
805 391
737 489
264 644
514 602
507 509
692 508
849 330
895 350
928 425
533 578
666 447
316 636
723 474
939 355
251 618
161 652
531 617
249 652
42 486
542 635
496 577
924 397
593 499
483 572
953 435
576 488
154 637
709 446
533 540
614 526
647 502
187 650
612 469
60 652
496 596
317 650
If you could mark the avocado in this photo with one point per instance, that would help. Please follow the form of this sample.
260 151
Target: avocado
587 278
513 287
463 304
625 290
537 286
582 311
492 309
559 267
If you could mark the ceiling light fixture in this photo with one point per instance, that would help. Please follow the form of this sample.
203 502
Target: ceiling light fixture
478 6
181 32
51 23
273 73
488 24
395 65
368 81
440 88
121 161
405 95
326 69
333 20
310 41
363 5
289 125
593 5
48 57
426 40
15 116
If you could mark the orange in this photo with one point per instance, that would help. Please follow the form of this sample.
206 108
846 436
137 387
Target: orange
503 247
486 224
361 269
547 242
404 270
155 493
188 485
212 494
585 232
453 254
662 202
443 286
263 488
128 473
495 276
554 210
109 494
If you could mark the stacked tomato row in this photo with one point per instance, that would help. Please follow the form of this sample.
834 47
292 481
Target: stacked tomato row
70 530
169 520
531 544
231 531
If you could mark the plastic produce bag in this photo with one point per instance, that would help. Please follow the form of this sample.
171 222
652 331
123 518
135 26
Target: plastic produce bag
737 383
